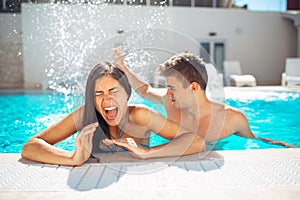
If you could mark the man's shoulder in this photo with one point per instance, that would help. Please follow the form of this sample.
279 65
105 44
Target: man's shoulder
221 107
232 110
234 115
229 111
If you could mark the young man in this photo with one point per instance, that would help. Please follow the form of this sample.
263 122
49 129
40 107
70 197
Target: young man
186 102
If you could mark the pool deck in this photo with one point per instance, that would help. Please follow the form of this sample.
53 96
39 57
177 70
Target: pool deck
247 174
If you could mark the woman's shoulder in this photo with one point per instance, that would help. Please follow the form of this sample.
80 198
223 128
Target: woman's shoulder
139 114
138 108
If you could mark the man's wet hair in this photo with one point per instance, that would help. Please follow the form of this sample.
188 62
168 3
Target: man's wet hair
188 66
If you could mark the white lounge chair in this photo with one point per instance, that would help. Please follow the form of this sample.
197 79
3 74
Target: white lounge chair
233 75
291 76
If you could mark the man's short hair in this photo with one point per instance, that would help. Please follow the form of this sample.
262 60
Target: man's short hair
189 66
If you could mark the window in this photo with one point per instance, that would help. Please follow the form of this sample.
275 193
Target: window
219 52
159 2
115 1
203 3
214 50
181 2
136 2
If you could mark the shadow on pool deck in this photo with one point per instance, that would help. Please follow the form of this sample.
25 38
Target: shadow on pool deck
265 173
115 167
121 168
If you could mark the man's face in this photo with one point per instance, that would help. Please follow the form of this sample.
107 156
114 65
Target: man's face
180 97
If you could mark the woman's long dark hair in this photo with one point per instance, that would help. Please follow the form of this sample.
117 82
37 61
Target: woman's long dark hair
91 115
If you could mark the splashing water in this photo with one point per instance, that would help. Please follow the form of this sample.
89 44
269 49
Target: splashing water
74 37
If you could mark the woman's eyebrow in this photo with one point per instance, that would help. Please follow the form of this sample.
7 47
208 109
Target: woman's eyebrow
113 88
99 91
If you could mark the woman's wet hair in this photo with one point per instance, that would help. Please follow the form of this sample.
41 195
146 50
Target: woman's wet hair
90 112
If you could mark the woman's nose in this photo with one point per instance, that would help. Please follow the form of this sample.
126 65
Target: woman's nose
107 97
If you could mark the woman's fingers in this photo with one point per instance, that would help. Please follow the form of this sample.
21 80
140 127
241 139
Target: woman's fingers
86 135
125 142
107 142
89 128
130 144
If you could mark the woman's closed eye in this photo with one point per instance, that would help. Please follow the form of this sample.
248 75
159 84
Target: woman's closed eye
114 90
98 93
110 91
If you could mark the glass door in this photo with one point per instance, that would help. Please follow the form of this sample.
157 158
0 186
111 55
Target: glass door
214 51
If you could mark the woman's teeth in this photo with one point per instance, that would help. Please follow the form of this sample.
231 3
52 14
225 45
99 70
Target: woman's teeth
111 112
110 108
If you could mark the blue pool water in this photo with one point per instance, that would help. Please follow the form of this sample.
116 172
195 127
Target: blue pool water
271 114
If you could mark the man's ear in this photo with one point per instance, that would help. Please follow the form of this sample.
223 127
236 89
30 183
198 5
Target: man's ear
195 86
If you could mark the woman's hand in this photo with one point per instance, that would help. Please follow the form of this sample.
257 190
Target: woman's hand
84 144
136 150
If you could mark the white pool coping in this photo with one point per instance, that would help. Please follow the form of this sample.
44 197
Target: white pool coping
236 174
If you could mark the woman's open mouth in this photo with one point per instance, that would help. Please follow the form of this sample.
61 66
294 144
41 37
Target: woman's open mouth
111 112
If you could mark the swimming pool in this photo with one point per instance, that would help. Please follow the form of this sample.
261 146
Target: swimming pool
271 114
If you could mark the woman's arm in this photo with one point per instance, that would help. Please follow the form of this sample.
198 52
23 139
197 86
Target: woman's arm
40 148
154 121
183 145
183 141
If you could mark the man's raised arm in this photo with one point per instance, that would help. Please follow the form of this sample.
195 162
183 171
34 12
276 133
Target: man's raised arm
143 88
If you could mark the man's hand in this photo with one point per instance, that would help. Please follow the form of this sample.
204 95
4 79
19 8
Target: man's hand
271 141
119 56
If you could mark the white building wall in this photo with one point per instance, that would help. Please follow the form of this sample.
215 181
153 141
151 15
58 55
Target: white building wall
11 60
259 40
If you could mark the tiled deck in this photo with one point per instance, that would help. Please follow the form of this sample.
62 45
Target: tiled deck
252 174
